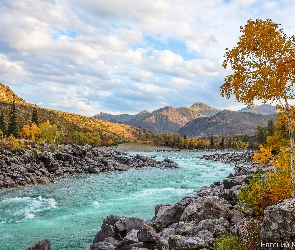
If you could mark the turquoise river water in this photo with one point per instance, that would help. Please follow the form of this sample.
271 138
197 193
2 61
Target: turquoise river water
70 212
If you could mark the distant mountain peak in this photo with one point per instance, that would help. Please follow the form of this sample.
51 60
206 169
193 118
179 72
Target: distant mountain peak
263 109
144 112
201 105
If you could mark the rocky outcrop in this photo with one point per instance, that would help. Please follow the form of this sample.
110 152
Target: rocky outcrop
42 165
278 225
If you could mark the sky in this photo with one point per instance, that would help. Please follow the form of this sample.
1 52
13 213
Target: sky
125 56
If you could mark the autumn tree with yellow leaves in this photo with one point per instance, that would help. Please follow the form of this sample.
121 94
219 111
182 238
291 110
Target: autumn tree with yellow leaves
30 132
263 65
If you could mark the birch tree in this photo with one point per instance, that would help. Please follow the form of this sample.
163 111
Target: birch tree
263 68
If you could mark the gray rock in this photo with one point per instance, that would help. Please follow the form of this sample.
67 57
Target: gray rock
167 215
186 201
107 229
209 191
132 236
278 225
206 208
129 240
177 242
125 225
216 226
162 240
102 246
147 234
206 236
41 245
236 216
230 182
231 195
185 228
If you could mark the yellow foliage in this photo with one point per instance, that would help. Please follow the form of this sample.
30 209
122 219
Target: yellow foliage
268 189
265 155
13 142
4 141
30 132
111 142
50 133
262 64
26 132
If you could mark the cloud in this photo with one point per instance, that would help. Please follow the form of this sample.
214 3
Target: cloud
93 55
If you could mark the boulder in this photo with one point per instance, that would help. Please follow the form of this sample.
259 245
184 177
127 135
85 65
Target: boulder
162 240
230 182
129 239
216 226
231 195
125 225
186 201
185 228
278 225
41 245
236 216
107 229
166 215
147 234
209 191
210 207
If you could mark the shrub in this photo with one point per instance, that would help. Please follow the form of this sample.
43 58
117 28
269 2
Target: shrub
228 242
267 189
251 234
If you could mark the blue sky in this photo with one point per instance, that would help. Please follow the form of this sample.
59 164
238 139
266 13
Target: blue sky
123 56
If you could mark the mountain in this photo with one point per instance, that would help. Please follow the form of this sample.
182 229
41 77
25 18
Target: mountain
68 121
225 123
167 119
263 109
122 118
7 95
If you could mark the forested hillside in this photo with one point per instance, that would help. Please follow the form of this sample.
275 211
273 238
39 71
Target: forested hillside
72 126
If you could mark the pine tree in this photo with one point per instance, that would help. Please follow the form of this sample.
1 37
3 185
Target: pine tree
13 128
2 123
35 116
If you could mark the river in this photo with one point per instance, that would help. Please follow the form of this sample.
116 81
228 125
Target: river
70 212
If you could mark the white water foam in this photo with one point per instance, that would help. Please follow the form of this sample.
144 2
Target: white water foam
26 207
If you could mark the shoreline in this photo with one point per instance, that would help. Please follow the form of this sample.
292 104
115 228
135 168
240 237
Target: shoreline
197 222
20 167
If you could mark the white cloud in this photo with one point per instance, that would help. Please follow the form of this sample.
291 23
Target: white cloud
167 58
118 55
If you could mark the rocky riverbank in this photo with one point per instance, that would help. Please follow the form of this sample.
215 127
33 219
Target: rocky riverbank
42 165
196 222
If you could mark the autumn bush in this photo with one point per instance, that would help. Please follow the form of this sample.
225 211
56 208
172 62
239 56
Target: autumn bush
228 242
266 189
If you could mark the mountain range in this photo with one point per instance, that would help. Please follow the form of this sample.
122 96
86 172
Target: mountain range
225 123
197 120
167 119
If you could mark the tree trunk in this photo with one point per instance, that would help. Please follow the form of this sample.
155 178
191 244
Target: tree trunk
291 135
